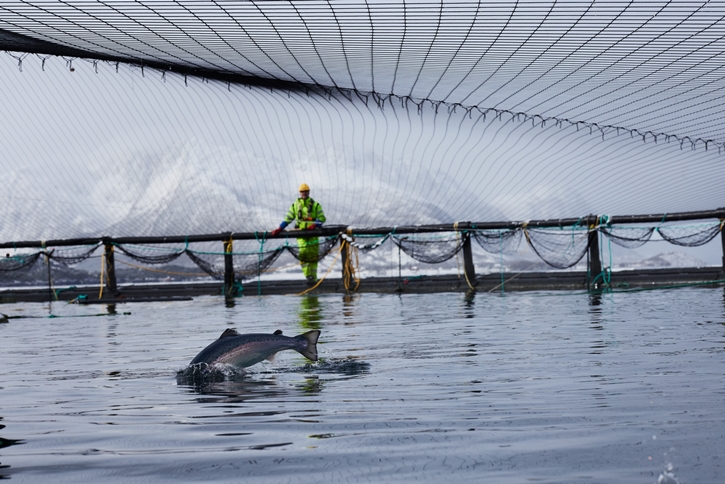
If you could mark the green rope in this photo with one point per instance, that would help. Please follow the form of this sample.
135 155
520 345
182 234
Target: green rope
657 229
259 263
58 291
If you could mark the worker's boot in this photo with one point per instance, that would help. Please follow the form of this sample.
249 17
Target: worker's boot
311 281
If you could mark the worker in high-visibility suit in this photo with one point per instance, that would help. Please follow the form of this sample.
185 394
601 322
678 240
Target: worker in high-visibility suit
308 215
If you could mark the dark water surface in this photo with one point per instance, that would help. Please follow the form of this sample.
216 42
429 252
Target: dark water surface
529 387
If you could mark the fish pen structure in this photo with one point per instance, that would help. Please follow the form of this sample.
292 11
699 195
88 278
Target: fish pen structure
128 122
561 244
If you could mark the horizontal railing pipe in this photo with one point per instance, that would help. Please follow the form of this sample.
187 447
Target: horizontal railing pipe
332 230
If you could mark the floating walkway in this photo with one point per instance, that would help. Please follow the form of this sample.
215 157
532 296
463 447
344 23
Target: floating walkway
621 281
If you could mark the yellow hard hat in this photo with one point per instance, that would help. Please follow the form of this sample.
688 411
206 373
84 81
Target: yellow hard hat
304 187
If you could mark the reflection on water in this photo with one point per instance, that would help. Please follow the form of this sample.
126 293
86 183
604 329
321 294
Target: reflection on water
230 301
112 332
469 304
238 388
595 299
9 442
5 469
350 303
310 313
595 312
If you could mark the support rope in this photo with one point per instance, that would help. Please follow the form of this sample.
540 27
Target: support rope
323 277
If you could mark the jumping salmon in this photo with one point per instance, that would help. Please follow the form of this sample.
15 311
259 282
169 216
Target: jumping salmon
244 350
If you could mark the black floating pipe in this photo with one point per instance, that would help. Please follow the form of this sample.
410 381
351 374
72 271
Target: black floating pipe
332 230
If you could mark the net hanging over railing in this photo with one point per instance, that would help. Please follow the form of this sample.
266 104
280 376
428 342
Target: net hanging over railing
690 236
18 262
246 265
560 248
152 255
431 250
499 241
69 256
629 237
313 251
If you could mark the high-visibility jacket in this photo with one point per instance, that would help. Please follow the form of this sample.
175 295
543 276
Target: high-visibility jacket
305 213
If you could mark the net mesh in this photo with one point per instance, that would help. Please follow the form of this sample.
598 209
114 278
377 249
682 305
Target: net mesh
629 237
316 249
18 262
499 241
690 235
151 255
69 256
433 249
246 265
173 118
560 248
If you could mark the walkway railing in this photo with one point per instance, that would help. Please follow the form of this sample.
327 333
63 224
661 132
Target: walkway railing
561 243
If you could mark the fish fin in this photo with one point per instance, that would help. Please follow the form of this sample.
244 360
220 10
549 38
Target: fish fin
229 332
271 357
279 331
311 351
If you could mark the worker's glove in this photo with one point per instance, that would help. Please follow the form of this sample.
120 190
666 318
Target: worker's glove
308 219
312 227
276 231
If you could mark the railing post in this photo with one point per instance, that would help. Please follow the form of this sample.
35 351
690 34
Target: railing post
110 268
595 263
722 240
228 266
469 269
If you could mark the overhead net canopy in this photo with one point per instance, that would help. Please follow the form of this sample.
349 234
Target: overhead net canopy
192 117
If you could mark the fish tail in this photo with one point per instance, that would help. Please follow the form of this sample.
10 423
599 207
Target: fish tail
310 352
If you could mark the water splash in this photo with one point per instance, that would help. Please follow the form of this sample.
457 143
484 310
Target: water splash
202 373
347 366
667 476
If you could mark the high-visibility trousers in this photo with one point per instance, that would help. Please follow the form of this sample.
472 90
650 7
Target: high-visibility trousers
309 253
